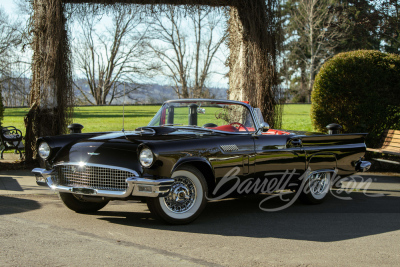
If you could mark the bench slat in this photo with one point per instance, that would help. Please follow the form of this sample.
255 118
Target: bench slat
388 161
392 136
390 148
391 144
385 151
391 152
392 132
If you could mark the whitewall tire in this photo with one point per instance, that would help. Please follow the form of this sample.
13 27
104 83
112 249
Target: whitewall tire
186 200
316 188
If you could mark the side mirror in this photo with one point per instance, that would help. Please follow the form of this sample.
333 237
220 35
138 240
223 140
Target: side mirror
264 126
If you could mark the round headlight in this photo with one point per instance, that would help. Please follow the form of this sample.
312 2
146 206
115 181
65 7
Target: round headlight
44 150
146 157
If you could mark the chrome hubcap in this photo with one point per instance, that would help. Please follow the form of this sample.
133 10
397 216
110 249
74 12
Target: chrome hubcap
318 184
182 196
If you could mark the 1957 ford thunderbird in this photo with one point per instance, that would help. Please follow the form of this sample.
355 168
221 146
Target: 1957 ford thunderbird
191 151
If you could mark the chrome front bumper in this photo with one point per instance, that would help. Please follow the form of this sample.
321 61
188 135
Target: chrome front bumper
137 186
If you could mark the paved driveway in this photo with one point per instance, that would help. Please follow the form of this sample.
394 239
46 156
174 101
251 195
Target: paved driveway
364 230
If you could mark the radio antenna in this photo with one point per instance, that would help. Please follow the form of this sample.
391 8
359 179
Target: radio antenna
123 112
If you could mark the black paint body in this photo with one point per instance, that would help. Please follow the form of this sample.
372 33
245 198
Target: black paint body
256 156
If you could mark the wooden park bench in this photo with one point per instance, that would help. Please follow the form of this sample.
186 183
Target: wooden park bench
390 145
10 138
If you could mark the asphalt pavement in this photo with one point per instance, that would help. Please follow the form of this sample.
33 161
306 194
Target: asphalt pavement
358 225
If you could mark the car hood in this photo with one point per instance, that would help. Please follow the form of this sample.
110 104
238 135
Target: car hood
116 148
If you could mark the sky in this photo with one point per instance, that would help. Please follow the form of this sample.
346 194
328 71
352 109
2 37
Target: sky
10 7
219 81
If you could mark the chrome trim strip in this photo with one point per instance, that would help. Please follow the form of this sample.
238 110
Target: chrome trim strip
322 170
159 188
229 148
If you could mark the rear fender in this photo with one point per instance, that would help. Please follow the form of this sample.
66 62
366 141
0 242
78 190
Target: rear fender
319 161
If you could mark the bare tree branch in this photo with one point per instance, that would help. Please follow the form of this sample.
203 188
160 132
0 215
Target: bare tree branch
187 66
111 56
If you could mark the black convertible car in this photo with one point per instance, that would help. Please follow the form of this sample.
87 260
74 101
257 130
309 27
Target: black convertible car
191 151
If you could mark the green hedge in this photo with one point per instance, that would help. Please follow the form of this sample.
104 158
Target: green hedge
360 90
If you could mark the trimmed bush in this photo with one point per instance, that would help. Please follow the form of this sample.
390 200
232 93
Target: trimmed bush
359 90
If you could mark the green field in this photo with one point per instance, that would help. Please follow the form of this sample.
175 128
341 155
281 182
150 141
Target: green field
109 118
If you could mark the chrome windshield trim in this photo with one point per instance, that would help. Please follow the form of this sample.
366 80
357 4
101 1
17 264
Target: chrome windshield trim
96 165
222 101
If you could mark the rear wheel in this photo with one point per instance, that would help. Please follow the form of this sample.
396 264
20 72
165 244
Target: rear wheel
77 204
316 188
186 200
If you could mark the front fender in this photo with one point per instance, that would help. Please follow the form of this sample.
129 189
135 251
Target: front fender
189 160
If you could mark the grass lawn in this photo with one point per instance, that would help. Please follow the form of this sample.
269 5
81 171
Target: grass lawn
109 118
297 117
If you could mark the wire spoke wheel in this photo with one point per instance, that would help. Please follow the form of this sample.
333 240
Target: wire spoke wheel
318 184
316 188
182 196
186 199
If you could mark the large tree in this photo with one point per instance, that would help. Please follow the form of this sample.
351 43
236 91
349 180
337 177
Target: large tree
10 40
390 25
312 30
359 21
109 57
186 63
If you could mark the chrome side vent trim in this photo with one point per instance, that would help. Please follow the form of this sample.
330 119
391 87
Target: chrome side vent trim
229 148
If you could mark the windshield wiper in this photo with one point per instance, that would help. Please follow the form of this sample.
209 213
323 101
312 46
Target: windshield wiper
195 127
172 124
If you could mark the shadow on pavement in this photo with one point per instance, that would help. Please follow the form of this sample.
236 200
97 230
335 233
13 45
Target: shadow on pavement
12 205
333 220
9 183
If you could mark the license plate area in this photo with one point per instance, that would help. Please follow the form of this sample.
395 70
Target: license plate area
83 191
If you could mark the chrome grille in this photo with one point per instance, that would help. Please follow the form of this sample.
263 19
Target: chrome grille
93 176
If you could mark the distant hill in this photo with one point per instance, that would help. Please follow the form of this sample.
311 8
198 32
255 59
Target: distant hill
146 93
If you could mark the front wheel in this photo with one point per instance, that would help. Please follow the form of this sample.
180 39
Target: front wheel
186 200
316 188
77 204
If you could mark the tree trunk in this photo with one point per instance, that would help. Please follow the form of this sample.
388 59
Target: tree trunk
252 62
51 95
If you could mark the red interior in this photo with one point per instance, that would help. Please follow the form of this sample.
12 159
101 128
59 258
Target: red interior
276 132
230 128
162 121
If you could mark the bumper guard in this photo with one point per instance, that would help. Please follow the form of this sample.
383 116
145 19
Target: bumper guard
137 186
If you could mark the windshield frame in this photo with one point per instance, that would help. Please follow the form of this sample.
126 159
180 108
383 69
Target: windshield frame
196 127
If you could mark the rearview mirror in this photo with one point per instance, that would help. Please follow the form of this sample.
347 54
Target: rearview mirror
264 126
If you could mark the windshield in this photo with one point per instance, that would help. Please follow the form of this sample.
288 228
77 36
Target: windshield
228 117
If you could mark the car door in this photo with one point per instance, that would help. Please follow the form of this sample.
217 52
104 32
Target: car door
278 156
235 152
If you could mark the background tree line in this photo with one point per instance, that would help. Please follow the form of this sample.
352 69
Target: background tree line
316 30
185 50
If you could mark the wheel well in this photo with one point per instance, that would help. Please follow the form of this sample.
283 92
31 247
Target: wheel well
205 169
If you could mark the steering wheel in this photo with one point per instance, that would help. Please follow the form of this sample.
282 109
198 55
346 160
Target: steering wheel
240 125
